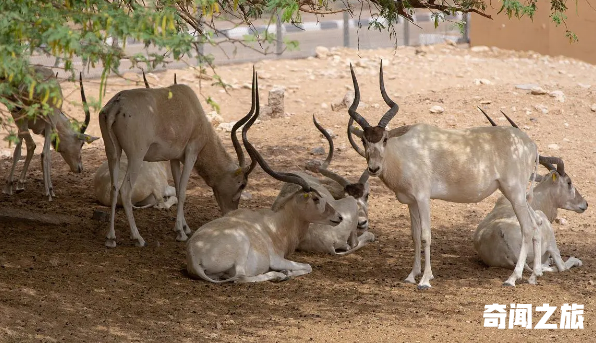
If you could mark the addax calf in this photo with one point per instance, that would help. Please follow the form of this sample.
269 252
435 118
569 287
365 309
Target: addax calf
498 237
68 143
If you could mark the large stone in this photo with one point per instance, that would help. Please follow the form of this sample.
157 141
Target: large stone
321 52
558 95
437 109
343 103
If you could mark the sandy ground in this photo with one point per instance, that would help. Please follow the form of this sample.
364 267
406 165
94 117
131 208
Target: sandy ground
59 283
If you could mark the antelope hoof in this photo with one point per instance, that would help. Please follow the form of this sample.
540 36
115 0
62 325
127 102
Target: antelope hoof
7 189
532 279
410 279
20 186
140 243
110 243
423 287
508 284
181 237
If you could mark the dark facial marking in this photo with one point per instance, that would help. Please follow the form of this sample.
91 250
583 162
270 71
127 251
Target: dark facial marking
355 189
373 134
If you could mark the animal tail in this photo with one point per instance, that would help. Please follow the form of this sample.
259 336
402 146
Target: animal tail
196 271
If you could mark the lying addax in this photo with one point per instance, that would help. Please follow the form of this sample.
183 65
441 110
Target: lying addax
498 240
251 246
69 142
498 237
149 190
168 124
352 205
422 162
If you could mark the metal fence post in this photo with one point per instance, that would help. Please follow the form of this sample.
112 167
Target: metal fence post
278 35
406 32
346 29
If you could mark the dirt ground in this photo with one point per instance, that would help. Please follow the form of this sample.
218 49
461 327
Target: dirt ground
59 283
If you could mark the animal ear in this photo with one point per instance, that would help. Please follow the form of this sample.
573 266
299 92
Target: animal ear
359 133
86 138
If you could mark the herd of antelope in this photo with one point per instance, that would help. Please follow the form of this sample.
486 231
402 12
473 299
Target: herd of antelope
319 211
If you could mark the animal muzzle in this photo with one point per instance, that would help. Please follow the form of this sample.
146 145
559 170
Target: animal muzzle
374 170
583 207
363 224
77 168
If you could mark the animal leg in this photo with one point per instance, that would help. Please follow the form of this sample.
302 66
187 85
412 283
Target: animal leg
289 268
363 240
134 166
269 276
416 235
181 227
529 233
30 151
424 211
15 158
45 162
175 166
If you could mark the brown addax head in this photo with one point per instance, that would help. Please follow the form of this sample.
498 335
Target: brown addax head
374 138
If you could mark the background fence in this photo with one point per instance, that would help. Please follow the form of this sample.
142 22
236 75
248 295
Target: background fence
338 30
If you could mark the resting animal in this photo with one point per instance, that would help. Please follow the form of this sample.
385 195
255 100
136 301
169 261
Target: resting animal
150 189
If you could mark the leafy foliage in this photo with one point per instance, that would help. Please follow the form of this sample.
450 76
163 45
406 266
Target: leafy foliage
96 31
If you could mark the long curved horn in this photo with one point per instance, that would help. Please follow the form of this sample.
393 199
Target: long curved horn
254 154
549 161
394 107
85 106
351 139
364 177
352 110
329 140
241 122
492 122
145 79
509 120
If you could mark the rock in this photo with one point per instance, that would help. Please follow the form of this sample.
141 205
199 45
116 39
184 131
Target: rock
275 105
584 86
485 102
527 86
591 282
541 108
214 118
558 95
245 195
553 146
331 133
343 103
227 127
318 151
593 108
538 91
324 105
482 82
313 165
437 109
321 52
479 48
561 220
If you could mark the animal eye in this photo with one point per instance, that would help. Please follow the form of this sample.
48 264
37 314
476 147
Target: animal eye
385 140
315 199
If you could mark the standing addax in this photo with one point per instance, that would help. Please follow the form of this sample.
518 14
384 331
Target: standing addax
422 162
169 124
68 143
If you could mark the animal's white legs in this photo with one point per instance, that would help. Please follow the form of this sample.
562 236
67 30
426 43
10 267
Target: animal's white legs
290 268
182 228
45 162
114 166
134 166
424 211
15 158
30 151
529 233
175 166
416 235
269 276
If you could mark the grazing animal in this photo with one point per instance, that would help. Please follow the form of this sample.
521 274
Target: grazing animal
422 162
168 124
149 190
353 206
252 245
498 237
69 142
